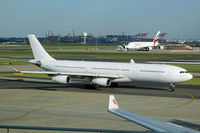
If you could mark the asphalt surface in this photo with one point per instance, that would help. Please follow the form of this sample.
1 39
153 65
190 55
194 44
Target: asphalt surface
194 60
142 89
154 51
41 102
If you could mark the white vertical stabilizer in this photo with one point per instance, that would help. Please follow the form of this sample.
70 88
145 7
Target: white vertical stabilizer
112 103
38 51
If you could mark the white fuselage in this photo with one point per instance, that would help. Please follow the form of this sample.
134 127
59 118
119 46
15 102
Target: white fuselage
129 71
138 45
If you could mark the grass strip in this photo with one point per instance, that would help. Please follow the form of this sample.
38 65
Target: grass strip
103 55
189 68
194 81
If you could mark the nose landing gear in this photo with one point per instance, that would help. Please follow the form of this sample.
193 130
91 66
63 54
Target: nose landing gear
172 87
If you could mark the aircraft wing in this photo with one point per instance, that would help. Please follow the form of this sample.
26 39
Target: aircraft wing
154 125
114 76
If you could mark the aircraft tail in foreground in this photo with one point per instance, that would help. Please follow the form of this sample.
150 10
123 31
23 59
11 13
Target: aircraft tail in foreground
152 124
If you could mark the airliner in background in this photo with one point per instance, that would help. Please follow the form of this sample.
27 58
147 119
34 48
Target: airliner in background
142 45
152 124
103 73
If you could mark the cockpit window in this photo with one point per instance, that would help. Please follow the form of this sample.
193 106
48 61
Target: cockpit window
183 71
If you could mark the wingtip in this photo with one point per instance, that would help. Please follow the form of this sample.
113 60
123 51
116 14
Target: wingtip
112 103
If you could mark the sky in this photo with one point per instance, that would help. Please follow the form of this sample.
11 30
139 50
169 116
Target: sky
179 18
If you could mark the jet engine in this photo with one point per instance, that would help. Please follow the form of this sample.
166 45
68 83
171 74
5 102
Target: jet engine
149 48
101 81
123 48
63 79
161 47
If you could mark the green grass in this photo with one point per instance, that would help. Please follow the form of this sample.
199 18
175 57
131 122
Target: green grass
18 54
122 55
25 75
16 62
63 46
194 81
102 55
77 46
189 68
93 47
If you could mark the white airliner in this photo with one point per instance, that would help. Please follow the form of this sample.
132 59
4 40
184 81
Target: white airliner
142 45
103 73
152 124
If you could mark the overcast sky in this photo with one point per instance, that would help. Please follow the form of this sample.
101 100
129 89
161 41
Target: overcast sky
179 18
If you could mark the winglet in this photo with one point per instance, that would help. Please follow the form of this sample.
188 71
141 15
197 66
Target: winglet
112 103
14 69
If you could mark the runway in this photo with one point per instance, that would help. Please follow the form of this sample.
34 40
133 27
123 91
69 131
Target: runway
40 102
142 89
154 51
104 50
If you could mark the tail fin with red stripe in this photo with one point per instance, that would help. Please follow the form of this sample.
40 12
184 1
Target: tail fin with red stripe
155 41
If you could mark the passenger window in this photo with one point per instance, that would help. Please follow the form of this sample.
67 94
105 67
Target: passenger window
183 71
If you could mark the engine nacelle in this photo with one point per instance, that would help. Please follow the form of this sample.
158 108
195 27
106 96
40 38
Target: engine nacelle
161 47
149 48
63 79
101 81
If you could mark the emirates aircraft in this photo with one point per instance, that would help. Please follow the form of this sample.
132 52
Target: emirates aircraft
142 45
103 73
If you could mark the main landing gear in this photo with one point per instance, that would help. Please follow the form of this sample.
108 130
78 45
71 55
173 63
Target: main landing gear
92 86
172 87
112 85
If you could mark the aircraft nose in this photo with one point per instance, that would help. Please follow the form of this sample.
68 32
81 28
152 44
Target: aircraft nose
189 76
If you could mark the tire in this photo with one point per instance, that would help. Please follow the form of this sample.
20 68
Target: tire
171 89
92 86
113 85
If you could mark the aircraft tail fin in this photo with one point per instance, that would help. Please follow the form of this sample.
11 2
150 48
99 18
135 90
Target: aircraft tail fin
112 103
37 49
155 41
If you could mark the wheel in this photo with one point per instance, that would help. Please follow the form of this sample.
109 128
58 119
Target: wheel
172 87
114 84
92 86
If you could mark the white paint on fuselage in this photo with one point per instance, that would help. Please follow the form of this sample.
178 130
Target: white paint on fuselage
131 71
138 45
